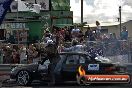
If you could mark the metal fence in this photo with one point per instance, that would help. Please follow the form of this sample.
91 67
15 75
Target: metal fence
117 51
130 50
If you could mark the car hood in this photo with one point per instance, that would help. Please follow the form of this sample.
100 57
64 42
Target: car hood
107 60
29 67
103 59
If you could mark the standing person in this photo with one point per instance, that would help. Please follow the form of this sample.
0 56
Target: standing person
124 34
98 29
7 35
80 37
35 54
75 32
93 36
48 34
23 36
30 53
7 55
15 57
53 56
88 33
23 55
67 37
76 47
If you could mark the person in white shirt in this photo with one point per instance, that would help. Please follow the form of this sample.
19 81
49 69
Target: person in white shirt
23 56
75 33
75 47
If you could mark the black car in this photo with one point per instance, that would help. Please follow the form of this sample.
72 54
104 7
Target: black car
67 68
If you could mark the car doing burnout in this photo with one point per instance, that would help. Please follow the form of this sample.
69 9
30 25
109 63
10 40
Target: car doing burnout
66 68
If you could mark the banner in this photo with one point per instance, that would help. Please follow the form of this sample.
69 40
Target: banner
117 78
4 6
14 6
24 6
44 4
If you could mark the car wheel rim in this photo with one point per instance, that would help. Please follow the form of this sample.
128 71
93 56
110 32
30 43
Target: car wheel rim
23 77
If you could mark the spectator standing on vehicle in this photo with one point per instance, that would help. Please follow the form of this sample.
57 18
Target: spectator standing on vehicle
124 34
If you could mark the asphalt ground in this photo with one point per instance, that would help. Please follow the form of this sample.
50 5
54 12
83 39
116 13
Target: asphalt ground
5 83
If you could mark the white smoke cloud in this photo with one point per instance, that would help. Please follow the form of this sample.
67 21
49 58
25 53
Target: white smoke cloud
102 10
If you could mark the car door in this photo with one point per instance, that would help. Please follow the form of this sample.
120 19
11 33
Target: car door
43 70
69 68
93 67
90 66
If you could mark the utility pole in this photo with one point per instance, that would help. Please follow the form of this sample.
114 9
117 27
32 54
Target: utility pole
120 18
35 1
81 14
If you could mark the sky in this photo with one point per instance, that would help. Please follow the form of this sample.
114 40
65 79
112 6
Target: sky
101 10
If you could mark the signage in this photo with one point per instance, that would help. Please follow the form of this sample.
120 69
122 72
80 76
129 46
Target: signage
44 4
13 6
93 67
13 25
107 78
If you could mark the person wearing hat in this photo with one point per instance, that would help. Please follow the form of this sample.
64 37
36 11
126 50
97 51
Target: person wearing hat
53 56
124 34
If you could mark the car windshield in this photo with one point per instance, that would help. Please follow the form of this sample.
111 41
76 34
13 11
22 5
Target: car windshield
103 59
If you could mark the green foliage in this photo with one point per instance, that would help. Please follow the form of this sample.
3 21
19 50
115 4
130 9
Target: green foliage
60 4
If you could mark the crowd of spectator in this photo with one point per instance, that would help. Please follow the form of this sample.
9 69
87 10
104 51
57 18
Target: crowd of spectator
67 39
19 54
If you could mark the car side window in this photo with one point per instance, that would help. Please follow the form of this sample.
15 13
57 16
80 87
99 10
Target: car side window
88 59
82 60
62 56
72 59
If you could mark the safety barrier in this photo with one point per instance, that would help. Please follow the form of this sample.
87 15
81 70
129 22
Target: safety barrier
6 68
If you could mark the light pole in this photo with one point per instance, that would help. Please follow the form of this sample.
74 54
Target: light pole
35 1
120 18
81 14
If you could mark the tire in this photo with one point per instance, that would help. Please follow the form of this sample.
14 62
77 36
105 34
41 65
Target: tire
24 78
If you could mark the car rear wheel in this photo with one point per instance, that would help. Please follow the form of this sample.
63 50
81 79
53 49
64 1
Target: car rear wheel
24 78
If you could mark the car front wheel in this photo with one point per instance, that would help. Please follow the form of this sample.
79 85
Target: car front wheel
24 78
